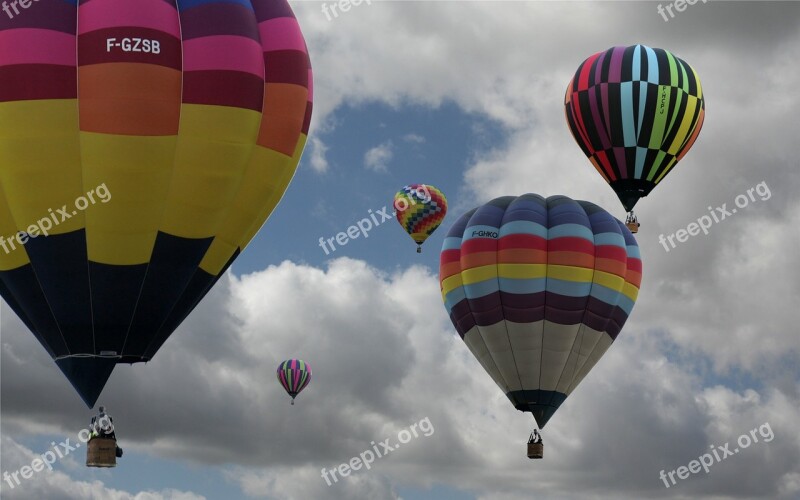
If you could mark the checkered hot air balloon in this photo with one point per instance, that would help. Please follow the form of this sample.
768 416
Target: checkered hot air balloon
294 375
539 288
635 112
420 209
191 115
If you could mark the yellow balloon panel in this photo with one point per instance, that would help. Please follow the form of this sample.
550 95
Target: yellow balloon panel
136 170
265 180
214 148
41 170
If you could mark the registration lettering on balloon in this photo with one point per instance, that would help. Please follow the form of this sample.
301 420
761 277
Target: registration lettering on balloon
148 46
486 234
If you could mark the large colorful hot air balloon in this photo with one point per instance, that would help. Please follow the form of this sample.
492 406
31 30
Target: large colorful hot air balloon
192 115
539 289
294 375
420 209
635 112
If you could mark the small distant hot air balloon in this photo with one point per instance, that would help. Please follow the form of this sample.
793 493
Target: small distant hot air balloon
294 375
420 209
539 289
635 112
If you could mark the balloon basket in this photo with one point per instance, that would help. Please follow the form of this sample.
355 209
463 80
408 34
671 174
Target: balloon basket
536 450
419 249
101 452
632 222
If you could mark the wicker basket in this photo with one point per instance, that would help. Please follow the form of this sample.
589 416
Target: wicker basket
535 450
633 227
101 452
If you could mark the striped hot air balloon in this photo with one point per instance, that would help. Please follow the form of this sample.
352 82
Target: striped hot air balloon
294 375
192 115
420 209
539 289
635 112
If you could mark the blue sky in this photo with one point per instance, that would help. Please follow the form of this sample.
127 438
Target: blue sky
423 151
468 96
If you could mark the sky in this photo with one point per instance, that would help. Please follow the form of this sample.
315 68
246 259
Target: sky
468 96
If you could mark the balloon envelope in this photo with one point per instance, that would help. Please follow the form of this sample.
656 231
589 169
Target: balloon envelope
191 117
420 209
635 112
294 375
539 289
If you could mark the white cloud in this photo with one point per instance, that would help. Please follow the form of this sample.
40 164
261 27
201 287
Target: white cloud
319 161
385 356
377 159
58 485
414 138
306 482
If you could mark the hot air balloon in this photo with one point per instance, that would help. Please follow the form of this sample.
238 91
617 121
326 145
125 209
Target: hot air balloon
192 115
539 289
635 112
294 375
420 209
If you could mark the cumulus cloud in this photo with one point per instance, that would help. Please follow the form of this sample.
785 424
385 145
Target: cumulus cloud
414 138
377 159
384 357
319 160
58 485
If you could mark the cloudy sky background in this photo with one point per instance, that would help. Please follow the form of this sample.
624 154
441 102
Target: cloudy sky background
468 96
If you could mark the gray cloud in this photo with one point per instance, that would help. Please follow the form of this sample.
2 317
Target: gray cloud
383 360
57 485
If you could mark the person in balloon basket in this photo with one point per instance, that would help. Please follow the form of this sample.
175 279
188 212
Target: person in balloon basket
102 425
